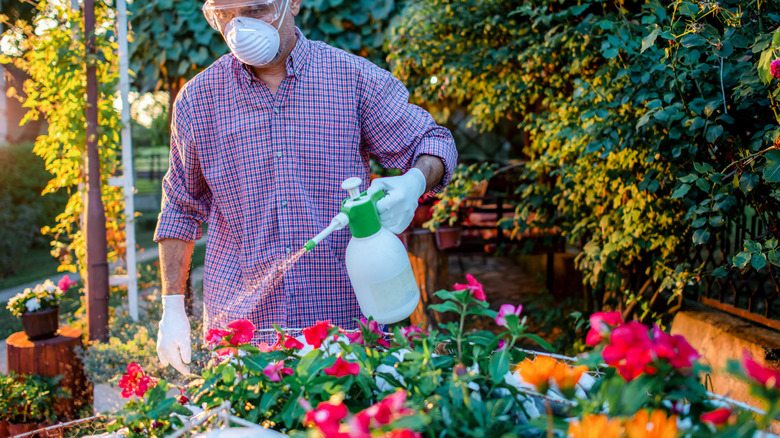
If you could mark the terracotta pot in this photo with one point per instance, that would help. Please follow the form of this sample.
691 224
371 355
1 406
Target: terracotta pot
447 237
4 429
421 214
42 324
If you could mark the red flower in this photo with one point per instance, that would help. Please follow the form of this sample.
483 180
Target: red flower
227 351
243 332
629 350
327 417
286 343
317 333
600 325
402 433
215 336
182 399
759 373
674 349
64 283
276 370
135 382
343 368
373 327
774 68
475 288
717 417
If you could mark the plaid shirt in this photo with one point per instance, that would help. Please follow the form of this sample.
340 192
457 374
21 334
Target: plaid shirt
265 172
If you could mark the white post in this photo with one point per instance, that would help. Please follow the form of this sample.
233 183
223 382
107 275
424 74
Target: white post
127 159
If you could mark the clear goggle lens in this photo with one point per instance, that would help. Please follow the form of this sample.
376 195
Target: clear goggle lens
218 15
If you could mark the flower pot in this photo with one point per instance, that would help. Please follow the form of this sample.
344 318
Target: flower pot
421 214
447 237
42 324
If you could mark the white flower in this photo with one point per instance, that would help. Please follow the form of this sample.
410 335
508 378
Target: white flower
33 304
49 286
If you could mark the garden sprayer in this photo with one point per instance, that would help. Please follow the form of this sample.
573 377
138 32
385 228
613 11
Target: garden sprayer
377 263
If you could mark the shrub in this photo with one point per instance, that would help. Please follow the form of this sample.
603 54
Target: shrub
24 210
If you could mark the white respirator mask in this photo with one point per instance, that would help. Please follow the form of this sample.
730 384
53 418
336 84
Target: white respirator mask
247 28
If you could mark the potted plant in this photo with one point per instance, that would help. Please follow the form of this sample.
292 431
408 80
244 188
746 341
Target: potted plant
448 212
39 308
31 402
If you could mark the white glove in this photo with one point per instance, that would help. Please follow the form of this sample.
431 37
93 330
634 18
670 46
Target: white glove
173 338
396 209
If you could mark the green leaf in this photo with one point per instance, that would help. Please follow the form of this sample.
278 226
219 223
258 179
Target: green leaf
681 191
688 9
725 50
698 223
498 366
758 261
717 221
714 132
741 260
772 172
748 181
720 272
753 246
447 306
692 40
611 53
703 185
649 40
536 338
701 236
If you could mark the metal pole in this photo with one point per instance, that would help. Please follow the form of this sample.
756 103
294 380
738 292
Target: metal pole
127 160
97 247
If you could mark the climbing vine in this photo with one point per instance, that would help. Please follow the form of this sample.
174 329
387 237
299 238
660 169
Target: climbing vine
652 124
50 49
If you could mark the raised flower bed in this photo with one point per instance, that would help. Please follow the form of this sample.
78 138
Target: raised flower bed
637 382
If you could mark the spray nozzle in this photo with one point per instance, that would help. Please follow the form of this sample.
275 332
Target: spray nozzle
340 221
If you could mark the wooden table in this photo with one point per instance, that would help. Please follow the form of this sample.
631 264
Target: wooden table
52 357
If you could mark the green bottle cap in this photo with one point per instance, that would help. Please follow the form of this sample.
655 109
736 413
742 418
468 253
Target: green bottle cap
361 209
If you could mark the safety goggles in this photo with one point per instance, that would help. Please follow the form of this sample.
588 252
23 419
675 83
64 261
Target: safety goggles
219 14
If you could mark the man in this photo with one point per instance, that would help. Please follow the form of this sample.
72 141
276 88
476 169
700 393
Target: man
261 141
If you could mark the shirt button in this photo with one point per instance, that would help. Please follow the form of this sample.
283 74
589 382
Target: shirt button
284 203
276 110
279 154
287 250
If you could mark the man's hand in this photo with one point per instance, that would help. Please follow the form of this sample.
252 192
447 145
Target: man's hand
173 338
396 209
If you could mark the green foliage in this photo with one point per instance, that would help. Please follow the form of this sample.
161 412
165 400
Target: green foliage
52 53
447 209
152 415
24 211
171 42
635 150
30 398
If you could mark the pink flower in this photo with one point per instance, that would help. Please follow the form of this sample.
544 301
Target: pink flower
774 68
135 382
412 332
501 344
507 309
343 368
402 433
600 325
674 349
327 417
475 288
373 327
759 373
215 336
243 332
317 333
64 283
629 350
276 370
717 417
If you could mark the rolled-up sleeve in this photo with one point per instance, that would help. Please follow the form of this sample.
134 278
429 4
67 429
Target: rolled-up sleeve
186 199
397 132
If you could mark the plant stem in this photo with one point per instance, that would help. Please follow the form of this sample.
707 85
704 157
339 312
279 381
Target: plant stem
548 410
460 333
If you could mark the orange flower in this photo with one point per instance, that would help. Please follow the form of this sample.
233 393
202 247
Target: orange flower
538 372
595 426
566 377
655 425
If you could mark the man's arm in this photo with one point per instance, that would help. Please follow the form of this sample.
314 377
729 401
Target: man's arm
175 257
432 168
